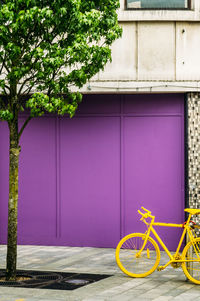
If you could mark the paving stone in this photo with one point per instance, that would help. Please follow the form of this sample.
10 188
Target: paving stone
187 296
174 292
167 285
163 298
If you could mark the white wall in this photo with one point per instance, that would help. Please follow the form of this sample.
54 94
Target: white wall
159 50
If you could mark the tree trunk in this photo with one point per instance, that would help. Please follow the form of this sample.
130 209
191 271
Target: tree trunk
13 201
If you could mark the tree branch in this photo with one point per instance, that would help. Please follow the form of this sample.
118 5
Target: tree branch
23 84
2 103
23 126
27 91
4 90
4 64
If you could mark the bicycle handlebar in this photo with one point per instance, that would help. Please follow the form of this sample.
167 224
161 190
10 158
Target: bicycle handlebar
146 210
145 215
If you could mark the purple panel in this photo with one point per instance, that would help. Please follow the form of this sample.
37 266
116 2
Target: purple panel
99 104
153 104
71 185
153 172
4 184
37 183
90 181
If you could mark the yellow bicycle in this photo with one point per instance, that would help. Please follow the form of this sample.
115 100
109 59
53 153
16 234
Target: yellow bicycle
138 255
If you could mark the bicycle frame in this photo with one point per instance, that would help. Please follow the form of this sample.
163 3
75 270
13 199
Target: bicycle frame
185 230
138 254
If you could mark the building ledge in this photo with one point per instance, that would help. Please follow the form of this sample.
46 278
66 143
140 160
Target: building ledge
141 87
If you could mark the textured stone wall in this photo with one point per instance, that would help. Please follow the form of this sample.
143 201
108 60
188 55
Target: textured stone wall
194 150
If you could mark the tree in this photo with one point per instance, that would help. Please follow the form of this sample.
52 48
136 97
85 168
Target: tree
47 47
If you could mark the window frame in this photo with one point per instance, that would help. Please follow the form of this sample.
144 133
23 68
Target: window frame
143 9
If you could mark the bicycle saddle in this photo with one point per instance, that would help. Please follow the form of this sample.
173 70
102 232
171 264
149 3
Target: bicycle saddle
192 211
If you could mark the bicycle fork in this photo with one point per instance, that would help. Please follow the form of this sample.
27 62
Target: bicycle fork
147 233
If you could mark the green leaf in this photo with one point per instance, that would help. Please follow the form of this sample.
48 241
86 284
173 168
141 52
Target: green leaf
6 115
51 46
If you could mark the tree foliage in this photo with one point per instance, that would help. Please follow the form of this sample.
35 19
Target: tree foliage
49 46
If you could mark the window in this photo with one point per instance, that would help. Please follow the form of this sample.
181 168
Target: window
157 4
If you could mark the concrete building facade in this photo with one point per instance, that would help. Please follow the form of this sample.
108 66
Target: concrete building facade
133 142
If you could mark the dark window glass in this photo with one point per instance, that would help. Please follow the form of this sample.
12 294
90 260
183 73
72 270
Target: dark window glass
159 4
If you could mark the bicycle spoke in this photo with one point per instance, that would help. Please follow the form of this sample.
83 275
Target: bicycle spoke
135 258
191 266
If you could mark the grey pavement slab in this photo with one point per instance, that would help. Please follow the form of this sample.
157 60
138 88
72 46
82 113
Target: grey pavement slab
169 284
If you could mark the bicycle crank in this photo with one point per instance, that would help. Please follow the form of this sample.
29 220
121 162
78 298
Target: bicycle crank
175 264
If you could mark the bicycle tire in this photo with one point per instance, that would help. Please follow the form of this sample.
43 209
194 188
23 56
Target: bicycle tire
126 258
192 252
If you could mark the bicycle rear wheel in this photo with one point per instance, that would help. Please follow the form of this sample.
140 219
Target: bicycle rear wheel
127 255
191 269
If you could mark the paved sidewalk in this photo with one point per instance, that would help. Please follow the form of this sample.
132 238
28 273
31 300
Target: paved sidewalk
169 284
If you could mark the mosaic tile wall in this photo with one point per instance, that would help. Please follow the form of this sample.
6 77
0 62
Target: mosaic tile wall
194 150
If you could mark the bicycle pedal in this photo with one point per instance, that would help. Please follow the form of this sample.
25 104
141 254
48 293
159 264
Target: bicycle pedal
160 268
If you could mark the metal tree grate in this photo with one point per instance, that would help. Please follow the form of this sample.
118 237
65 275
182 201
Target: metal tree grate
52 280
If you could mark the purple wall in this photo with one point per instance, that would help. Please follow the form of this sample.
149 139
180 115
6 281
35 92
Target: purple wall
83 179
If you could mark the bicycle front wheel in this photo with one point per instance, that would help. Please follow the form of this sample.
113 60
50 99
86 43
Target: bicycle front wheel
191 269
131 261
